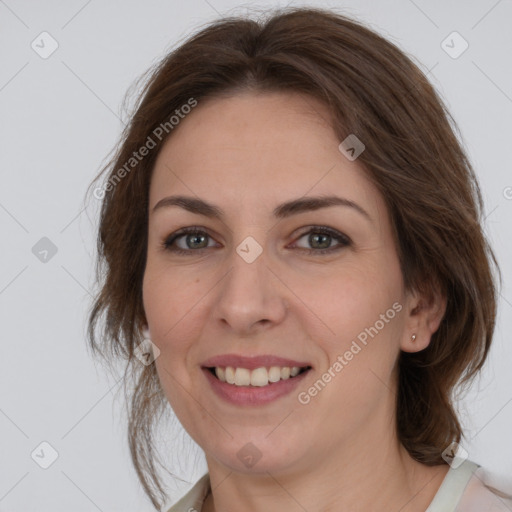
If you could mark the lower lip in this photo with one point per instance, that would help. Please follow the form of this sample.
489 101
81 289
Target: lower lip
253 395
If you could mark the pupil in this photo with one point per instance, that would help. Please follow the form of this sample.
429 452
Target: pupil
192 239
318 237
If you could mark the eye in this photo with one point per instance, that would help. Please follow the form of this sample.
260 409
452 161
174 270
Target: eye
188 240
320 240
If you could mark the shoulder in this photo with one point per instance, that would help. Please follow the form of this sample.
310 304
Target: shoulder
468 487
194 498
480 494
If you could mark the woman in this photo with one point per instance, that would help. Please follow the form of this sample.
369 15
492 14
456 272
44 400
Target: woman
291 245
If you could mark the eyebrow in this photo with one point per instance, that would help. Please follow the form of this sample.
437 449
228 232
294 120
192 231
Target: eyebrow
301 205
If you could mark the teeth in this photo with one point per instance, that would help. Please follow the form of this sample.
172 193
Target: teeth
221 373
258 377
274 374
230 375
242 377
294 371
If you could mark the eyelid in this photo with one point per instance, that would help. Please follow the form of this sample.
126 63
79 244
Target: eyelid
168 244
342 239
170 240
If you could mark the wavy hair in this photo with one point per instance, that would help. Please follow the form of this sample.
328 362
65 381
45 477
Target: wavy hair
413 155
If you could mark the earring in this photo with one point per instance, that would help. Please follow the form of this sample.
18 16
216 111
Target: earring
145 332
413 337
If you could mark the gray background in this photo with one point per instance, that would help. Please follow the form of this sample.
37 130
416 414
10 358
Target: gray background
60 118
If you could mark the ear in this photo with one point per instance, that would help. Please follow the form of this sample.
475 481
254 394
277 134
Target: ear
425 311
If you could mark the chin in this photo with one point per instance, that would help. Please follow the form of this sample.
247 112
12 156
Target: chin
259 454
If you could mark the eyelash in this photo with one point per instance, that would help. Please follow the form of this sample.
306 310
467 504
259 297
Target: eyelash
343 240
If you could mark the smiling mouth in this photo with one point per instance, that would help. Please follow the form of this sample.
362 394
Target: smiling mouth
259 377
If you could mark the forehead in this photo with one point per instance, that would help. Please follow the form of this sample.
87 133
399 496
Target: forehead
258 149
271 125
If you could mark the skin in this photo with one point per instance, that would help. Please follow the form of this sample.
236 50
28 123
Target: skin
247 154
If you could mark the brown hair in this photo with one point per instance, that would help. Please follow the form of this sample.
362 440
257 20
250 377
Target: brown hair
412 155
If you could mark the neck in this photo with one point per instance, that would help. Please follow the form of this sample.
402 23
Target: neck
383 480
365 468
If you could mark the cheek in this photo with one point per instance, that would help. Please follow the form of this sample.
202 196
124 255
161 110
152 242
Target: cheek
172 303
361 323
362 310
174 310
351 299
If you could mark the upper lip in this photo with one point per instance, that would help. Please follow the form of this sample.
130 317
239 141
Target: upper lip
252 362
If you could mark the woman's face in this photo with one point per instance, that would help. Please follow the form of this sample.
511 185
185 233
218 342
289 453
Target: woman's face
272 278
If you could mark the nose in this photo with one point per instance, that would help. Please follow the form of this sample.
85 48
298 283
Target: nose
250 298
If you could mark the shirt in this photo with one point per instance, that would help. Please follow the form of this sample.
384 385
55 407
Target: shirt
463 489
